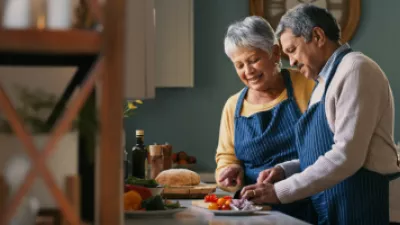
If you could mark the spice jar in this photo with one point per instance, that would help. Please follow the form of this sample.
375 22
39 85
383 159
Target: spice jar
155 160
167 155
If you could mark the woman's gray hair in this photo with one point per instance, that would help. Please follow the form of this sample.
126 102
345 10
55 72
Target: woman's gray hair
303 18
251 32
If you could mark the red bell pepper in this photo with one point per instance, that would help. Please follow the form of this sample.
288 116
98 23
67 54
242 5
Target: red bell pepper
144 192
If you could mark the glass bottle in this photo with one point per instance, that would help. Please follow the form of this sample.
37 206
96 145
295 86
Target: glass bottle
139 155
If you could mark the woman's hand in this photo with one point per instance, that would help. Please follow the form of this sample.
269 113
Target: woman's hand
260 193
271 175
231 176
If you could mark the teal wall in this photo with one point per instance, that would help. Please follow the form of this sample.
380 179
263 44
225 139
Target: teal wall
189 118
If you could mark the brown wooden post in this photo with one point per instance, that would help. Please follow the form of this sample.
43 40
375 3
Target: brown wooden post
110 179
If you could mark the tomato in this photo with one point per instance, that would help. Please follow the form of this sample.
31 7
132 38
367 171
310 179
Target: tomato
227 197
225 207
210 198
221 201
228 202
213 206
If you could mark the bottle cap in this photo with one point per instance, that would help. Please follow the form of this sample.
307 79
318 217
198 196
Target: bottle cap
139 132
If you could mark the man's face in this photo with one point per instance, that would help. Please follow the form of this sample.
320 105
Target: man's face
306 56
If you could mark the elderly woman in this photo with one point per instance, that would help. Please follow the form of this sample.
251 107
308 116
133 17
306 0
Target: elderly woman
256 130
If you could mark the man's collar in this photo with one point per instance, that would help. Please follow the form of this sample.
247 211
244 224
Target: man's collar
328 65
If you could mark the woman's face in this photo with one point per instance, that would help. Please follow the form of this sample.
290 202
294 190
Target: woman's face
255 67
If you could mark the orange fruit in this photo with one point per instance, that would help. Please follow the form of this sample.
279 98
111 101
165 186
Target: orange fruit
221 201
132 200
213 206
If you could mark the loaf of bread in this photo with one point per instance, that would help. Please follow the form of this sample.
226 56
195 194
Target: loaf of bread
178 177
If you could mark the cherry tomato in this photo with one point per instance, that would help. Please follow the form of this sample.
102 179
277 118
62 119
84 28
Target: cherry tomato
228 202
225 207
210 198
227 197
213 206
213 198
221 201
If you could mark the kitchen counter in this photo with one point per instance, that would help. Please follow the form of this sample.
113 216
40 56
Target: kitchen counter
195 215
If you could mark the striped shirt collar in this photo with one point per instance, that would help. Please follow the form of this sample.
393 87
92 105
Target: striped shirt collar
323 75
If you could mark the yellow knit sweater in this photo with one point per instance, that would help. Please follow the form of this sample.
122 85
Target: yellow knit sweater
226 151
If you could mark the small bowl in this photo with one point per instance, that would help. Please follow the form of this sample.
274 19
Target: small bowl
156 191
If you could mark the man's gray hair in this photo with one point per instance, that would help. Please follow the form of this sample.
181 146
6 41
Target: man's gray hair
252 32
303 18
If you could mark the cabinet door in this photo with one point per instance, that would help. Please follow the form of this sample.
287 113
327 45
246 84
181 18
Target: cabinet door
140 49
174 43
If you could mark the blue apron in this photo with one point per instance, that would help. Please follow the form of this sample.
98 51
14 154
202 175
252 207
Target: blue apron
362 198
267 138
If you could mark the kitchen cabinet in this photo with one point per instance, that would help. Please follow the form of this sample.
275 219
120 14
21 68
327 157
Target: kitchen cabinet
159 46
174 43
140 45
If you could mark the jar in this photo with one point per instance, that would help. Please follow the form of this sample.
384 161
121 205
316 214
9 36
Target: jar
59 13
16 14
155 160
167 155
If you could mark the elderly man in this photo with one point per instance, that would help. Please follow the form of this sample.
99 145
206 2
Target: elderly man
347 157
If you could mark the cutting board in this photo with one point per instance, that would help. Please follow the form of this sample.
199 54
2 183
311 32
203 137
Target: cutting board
202 204
189 192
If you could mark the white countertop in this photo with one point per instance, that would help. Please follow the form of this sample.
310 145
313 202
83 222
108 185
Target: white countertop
196 215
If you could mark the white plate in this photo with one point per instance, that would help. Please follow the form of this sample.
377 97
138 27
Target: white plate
234 212
158 213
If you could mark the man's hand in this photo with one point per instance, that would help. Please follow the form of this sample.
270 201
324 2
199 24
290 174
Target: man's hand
260 193
271 175
231 176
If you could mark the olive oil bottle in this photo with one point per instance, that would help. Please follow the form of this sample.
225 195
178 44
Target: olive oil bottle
139 156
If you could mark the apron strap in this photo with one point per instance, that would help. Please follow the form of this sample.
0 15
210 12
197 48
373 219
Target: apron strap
239 103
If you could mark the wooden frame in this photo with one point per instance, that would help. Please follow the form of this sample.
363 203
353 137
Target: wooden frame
110 71
348 30
110 207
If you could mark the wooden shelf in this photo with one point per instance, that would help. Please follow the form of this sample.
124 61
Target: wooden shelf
82 48
79 48
72 41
